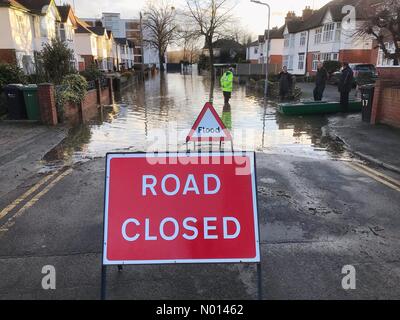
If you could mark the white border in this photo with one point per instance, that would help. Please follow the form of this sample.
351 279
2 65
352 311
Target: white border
250 155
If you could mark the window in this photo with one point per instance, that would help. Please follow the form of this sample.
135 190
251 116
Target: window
292 39
285 60
315 59
290 63
132 25
303 39
317 36
328 32
20 24
325 57
300 64
286 40
335 57
338 31
63 36
255 50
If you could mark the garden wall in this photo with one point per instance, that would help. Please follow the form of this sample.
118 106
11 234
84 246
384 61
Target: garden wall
89 109
386 103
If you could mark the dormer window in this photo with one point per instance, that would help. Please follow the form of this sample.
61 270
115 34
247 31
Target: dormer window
303 39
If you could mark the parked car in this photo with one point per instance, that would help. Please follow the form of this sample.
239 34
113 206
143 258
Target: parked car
363 73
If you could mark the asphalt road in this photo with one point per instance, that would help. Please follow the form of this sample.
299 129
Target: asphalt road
316 216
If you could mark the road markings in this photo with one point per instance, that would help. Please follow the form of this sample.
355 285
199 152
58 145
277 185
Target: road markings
376 175
30 203
16 202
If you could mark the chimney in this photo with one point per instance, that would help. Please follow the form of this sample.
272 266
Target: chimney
291 15
307 12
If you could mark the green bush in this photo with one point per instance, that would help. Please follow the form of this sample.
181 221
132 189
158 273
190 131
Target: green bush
92 73
11 73
56 60
72 89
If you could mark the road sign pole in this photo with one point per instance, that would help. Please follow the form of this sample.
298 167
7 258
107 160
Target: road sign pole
103 282
259 281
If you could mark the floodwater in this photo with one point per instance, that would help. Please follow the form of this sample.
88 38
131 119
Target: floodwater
157 115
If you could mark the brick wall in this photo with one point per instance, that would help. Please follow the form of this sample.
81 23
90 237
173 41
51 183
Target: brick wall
359 56
386 104
47 104
275 59
74 114
8 56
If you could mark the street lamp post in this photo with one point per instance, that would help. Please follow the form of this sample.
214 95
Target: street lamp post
267 43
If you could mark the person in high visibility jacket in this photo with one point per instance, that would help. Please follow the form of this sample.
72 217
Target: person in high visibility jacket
227 84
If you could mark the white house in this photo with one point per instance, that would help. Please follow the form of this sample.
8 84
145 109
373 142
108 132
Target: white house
25 26
85 45
131 29
322 35
68 26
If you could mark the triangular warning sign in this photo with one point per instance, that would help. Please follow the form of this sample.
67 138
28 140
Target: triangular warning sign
208 126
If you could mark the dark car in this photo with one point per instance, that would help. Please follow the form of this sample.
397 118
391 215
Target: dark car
364 73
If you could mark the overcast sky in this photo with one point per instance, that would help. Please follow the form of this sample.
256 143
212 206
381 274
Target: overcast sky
252 16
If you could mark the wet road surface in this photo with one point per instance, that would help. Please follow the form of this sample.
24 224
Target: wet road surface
317 212
165 109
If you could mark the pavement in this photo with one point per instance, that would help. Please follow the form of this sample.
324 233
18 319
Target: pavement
22 147
379 143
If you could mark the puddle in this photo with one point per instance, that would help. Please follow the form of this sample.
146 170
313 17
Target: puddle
158 114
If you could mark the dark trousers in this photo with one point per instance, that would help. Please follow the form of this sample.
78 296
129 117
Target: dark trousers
344 100
227 96
318 92
283 94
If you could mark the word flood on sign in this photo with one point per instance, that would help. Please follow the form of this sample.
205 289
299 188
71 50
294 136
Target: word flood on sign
198 208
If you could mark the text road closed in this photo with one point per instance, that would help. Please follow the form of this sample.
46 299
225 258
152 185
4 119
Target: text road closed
188 211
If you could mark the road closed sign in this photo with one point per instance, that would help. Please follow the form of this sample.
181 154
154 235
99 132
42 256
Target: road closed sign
180 208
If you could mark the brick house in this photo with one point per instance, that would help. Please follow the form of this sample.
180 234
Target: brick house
25 26
323 35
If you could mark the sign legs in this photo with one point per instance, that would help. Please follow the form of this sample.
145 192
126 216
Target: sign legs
103 282
259 281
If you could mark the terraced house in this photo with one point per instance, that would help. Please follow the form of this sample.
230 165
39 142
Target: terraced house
326 34
25 26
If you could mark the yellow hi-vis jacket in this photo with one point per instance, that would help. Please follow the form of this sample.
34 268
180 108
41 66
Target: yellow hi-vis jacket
227 81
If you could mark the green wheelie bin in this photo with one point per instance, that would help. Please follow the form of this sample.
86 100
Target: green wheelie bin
31 101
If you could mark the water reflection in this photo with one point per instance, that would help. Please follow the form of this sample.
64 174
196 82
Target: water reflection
171 102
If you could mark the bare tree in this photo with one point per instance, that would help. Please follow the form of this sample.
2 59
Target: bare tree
159 26
382 22
240 34
209 19
190 43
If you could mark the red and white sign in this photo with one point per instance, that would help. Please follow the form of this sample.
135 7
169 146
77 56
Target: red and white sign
208 126
180 208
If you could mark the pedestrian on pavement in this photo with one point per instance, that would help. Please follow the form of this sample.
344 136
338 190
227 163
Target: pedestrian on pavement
345 85
320 81
227 84
285 83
